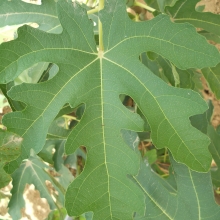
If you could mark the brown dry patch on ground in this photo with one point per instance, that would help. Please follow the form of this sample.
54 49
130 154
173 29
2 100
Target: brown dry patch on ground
5 110
216 103
143 13
4 201
216 113
211 6
36 208
214 7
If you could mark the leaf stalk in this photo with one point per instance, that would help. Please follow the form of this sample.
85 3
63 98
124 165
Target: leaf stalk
2 127
136 3
70 117
93 11
101 45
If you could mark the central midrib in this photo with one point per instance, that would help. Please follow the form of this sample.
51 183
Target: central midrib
103 133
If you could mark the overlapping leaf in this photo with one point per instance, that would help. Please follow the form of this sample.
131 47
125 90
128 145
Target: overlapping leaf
184 11
57 214
214 148
57 130
210 36
185 76
9 150
184 195
17 12
160 5
203 123
97 79
212 76
190 200
33 171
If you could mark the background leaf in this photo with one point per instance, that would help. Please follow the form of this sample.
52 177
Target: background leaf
9 150
33 171
17 12
160 4
203 123
215 151
189 201
212 75
184 11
